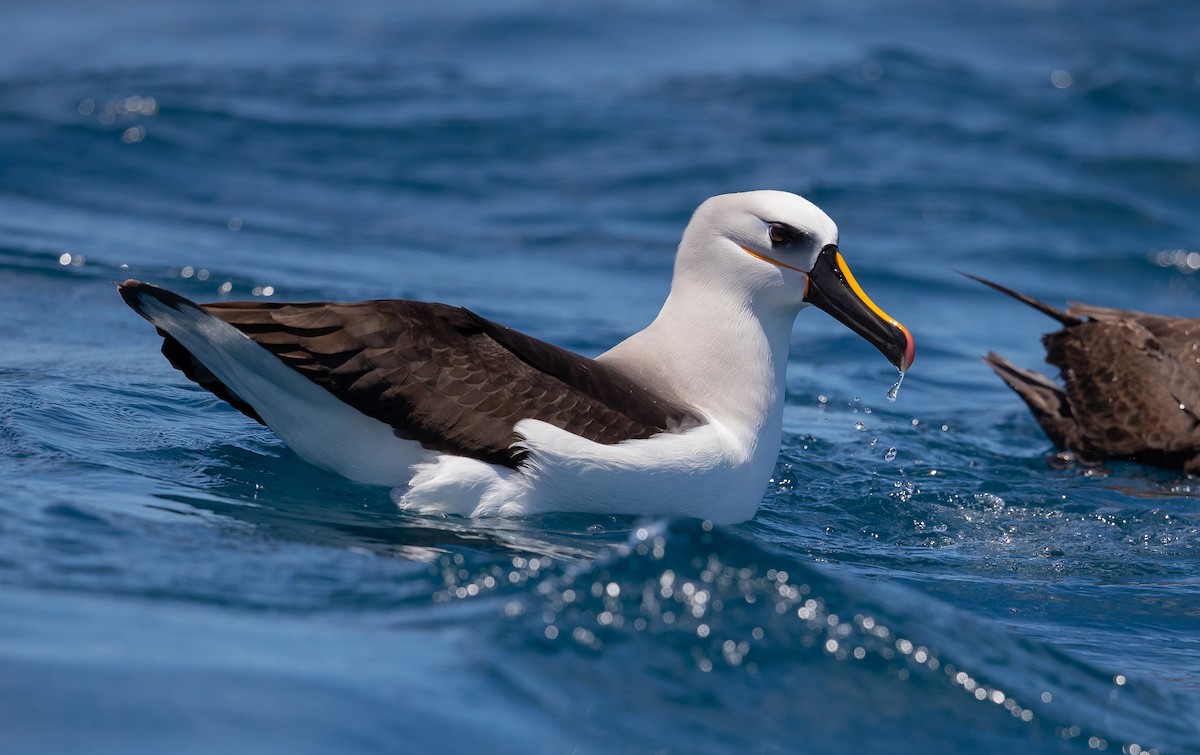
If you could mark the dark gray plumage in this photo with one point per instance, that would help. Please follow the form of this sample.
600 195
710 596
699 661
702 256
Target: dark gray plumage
440 375
1131 384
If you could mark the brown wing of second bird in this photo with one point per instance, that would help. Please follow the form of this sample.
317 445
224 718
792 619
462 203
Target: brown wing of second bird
1131 384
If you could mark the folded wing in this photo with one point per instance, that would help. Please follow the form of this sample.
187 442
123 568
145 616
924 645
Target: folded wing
442 376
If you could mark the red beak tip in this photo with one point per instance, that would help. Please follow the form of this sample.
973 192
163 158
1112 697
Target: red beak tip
910 352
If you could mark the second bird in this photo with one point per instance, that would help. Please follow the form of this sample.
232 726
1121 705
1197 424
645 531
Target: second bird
1131 384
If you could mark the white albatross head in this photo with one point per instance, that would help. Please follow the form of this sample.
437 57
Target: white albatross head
779 252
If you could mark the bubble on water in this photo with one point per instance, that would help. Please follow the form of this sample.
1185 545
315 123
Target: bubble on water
895 389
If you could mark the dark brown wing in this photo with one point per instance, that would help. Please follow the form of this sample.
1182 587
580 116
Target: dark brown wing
440 375
1045 400
1132 397
1177 336
1131 384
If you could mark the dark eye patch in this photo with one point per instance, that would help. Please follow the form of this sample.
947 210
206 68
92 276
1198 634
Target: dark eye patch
783 234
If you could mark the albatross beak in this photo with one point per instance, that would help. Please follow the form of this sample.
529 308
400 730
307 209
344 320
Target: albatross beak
832 287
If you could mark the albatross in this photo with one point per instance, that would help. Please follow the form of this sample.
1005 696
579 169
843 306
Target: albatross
460 415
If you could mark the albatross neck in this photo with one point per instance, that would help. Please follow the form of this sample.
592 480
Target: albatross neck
714 352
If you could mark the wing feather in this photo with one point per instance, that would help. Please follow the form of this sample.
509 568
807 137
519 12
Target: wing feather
1131 383
440 375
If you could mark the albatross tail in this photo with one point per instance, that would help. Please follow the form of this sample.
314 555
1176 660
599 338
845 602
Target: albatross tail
314 423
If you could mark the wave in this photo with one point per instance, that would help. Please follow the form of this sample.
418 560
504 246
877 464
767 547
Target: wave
758 649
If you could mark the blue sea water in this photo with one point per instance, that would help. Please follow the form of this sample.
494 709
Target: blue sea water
918 578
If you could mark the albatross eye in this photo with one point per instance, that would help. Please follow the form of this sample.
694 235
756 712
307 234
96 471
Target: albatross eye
783 234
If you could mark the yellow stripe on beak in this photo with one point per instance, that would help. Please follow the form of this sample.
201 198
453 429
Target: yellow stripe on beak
857 289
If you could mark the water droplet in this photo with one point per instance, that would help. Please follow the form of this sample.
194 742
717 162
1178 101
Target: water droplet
890 455
895 389
859 426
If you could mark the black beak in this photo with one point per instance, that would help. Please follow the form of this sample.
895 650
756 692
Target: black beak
832 288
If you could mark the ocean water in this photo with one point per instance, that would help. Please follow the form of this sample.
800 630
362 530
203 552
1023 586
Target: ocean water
918 578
